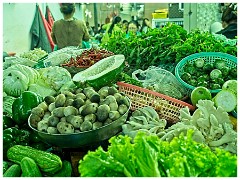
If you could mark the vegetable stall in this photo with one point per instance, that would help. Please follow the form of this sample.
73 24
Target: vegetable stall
161 104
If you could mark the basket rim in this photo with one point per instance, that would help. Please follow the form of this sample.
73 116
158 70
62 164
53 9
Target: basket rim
196 55
191 107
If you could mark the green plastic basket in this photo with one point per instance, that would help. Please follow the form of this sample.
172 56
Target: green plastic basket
209 57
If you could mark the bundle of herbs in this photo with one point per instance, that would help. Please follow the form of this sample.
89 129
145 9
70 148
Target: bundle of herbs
165 47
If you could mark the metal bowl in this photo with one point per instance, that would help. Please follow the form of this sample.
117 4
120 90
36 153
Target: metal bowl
81 139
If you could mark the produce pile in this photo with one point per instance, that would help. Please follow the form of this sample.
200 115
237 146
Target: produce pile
167 45
35 55
79 111
211 76
87 58
19 78
148 156
202 143
25 161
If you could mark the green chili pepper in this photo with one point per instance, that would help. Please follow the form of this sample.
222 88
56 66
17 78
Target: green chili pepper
7 122
23 105
13 136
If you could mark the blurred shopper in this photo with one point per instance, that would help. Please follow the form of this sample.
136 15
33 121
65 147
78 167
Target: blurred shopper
125 26
146 25
99 34
229 21
69 31
133 28
90 30
113 30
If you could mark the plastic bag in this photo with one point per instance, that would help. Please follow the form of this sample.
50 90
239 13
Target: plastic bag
160 80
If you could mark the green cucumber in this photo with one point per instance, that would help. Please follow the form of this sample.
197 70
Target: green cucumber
13 171
66 170
225 99
29 168
46 161
5 166
101 73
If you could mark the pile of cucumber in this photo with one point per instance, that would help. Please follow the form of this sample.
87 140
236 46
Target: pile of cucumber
25 161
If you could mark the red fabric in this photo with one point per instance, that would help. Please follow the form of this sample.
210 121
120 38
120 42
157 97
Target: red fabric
49 18
46 26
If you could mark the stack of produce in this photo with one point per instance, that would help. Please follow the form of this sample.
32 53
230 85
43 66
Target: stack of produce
24 161
79 111
211 126
35 55
87 58
46 81
167 45
211 76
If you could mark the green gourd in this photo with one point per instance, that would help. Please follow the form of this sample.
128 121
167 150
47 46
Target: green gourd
66 170
46 161
29 168
13 171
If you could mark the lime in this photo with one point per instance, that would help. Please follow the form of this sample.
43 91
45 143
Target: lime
200 93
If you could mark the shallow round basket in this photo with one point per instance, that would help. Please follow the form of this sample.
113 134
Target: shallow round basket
209 57
166 107
82 139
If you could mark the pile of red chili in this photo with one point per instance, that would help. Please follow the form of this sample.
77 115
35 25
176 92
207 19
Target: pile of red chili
88 58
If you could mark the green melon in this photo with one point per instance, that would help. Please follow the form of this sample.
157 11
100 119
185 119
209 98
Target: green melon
101 73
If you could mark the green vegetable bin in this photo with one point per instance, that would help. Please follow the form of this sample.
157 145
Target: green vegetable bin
208 57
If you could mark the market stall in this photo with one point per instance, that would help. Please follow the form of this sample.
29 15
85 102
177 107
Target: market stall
161 104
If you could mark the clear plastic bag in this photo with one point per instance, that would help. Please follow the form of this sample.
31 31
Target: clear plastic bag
160 80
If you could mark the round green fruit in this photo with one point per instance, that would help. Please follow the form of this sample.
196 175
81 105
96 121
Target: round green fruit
230 85
200 93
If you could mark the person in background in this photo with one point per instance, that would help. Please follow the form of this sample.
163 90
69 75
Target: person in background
113 30
90 30
133 28
69 31
100 33
125 26
107 24
229 22
146 25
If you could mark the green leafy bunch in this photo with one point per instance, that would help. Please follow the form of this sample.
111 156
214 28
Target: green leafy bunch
148 49
167 45
148 156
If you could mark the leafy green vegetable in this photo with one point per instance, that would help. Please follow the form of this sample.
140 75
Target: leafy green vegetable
148 156
128 79
7 104
55 77
169 44
14 82
35 54
100 164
